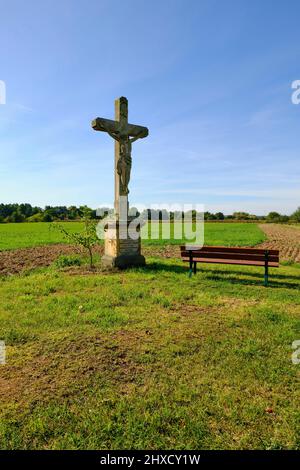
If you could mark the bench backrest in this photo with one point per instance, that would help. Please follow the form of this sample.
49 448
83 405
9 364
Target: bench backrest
225 252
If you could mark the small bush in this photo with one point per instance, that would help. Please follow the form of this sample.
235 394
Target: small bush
86 239
64 261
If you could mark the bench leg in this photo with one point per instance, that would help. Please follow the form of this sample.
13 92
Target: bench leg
266 267
195 267
191 267
266 274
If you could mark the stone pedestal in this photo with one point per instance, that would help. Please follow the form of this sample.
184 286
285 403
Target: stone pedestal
120 249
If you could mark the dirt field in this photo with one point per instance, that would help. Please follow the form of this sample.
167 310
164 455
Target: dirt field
15 261
284 238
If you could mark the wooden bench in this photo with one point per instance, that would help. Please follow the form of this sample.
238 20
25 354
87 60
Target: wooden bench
226 255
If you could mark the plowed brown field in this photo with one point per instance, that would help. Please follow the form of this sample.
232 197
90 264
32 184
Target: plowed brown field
284 238
15 261
22 259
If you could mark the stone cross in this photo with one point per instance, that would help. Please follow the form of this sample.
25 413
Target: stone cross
124 135
121 249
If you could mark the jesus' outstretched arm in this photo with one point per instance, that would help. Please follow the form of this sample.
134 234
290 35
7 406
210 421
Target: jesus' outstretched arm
141 135
114 136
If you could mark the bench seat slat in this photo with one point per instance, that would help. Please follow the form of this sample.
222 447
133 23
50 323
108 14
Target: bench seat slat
237 256
227 249
272 264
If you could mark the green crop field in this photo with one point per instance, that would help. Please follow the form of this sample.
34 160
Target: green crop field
26 235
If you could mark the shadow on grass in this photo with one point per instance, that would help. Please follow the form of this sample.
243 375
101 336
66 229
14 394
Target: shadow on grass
223 275
272 274
255 282
160 266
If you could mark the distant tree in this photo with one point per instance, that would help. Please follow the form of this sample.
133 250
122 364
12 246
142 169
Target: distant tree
284 219
85 211
272 216
47 217
25 210
295 217
57 212
241 215
220 216
18 211
7 209
73 213
39 217
209 216
275 217
15 217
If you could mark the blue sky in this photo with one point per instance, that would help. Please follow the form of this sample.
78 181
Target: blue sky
210 79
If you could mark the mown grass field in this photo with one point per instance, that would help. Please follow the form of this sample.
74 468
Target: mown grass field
148 358
25 235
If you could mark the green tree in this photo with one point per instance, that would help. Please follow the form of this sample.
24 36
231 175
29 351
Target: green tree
47 217
39 217
241 215
296 216
16 216
73 213
209 216
275 217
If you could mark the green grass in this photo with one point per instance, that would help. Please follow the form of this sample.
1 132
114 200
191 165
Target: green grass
149 358
234 234
37 234
26 235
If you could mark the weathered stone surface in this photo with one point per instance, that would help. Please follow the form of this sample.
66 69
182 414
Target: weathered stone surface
124 135
101 124
117 242
123 261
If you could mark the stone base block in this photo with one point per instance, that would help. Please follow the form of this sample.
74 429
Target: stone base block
123 261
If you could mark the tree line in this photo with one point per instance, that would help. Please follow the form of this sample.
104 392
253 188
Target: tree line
27 213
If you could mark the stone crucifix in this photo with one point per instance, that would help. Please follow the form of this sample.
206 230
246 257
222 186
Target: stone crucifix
121 249
124 135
